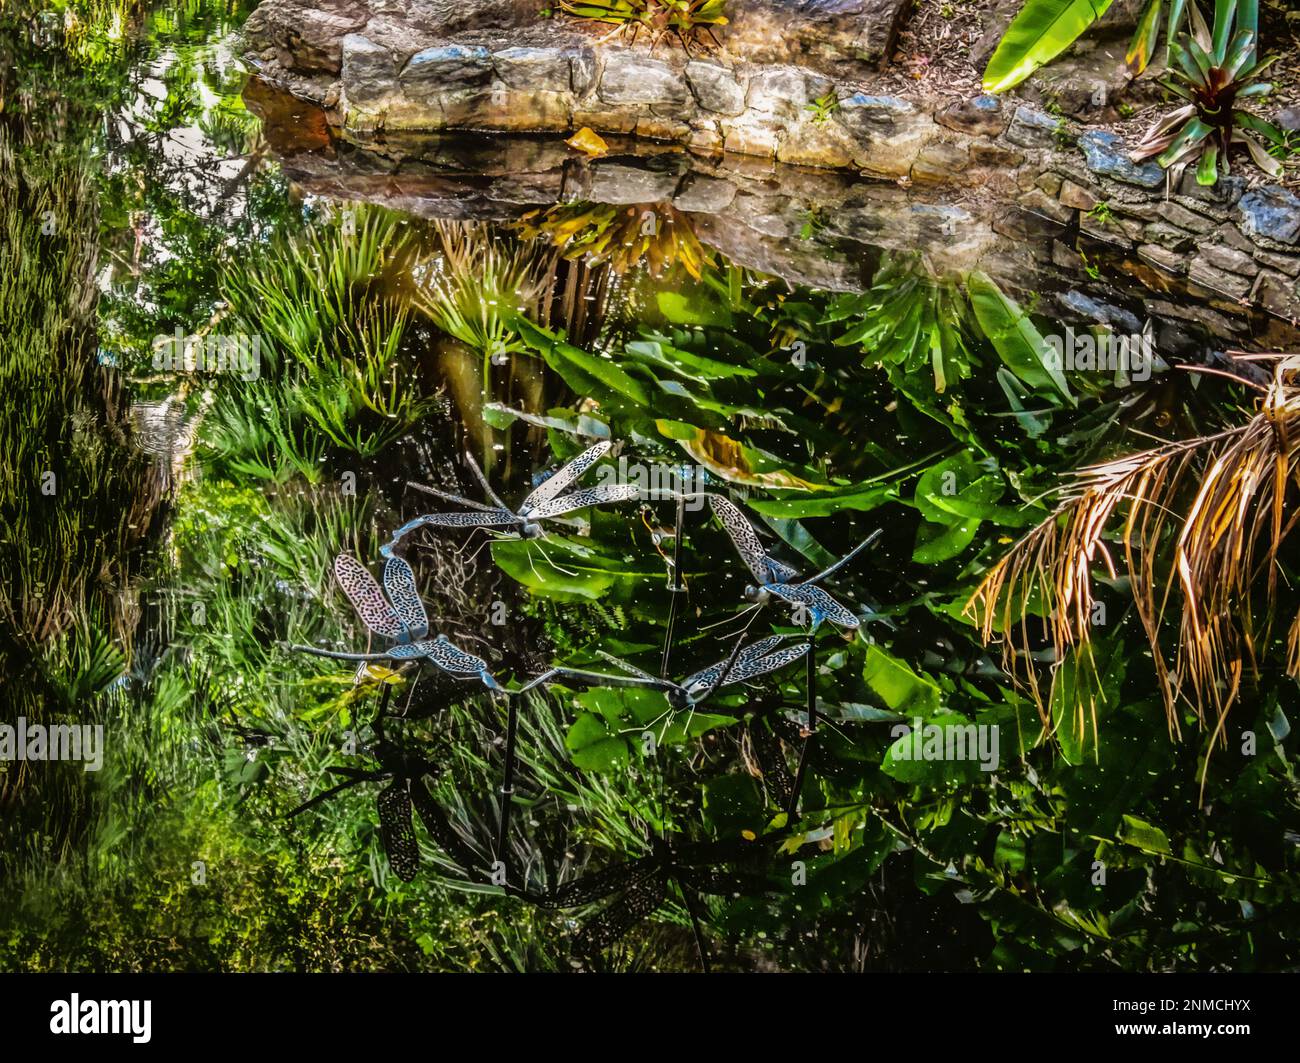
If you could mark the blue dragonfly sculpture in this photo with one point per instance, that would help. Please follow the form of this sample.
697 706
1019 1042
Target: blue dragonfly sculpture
774 578
400 616
746 662
545 502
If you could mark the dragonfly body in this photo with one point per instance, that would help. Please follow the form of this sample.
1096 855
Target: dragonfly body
776 579
760 658
546 502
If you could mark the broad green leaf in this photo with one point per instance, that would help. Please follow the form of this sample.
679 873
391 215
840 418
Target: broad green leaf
1143 45
561 568
945 484
684 363
944 751
1034 423
1019 344
733 804
1207 170
1143 835
825 504
593 747
560 356
942 542
1086 682
1041 32
898 686
625 707
681 308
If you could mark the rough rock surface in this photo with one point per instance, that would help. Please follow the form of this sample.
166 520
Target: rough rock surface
827 35
794 82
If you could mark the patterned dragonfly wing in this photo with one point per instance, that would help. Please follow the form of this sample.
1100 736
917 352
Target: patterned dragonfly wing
724 883
399 581
742 533
644 895
565 475
708 676
618 662
770 763
591 496
597 885
757 666
610 679
366 597
453 659
397 831
489 518
439 827
818 602
779 571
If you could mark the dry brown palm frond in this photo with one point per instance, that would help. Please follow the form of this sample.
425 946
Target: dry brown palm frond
1204 521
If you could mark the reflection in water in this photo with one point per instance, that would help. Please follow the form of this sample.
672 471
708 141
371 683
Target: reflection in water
78 501
826 385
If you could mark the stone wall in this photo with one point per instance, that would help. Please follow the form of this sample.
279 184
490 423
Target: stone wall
385 69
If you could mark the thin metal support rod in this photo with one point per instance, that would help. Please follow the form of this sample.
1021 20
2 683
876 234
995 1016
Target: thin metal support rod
793 811
695 925
384 699
676 587
508 784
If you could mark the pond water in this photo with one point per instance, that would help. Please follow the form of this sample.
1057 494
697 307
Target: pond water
236 348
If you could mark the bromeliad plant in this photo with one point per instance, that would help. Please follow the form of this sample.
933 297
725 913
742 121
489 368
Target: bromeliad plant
1215 72
624 236
1045 28
689 20
1147 34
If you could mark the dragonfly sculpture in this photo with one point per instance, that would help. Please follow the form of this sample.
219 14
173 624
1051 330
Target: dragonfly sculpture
774 578
777 579
546 502
749 662
395 802
640 887
399 615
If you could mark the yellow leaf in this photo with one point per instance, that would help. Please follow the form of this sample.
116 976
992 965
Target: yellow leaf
588 141
726 459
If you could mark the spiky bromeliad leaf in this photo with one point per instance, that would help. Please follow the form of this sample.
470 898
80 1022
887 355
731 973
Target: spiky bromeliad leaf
1145 37
1041 32
1214 73
1147 34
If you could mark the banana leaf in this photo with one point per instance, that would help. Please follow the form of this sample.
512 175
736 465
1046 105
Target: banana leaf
1041 32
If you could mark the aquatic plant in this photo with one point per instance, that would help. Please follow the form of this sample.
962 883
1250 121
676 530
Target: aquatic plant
329 311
